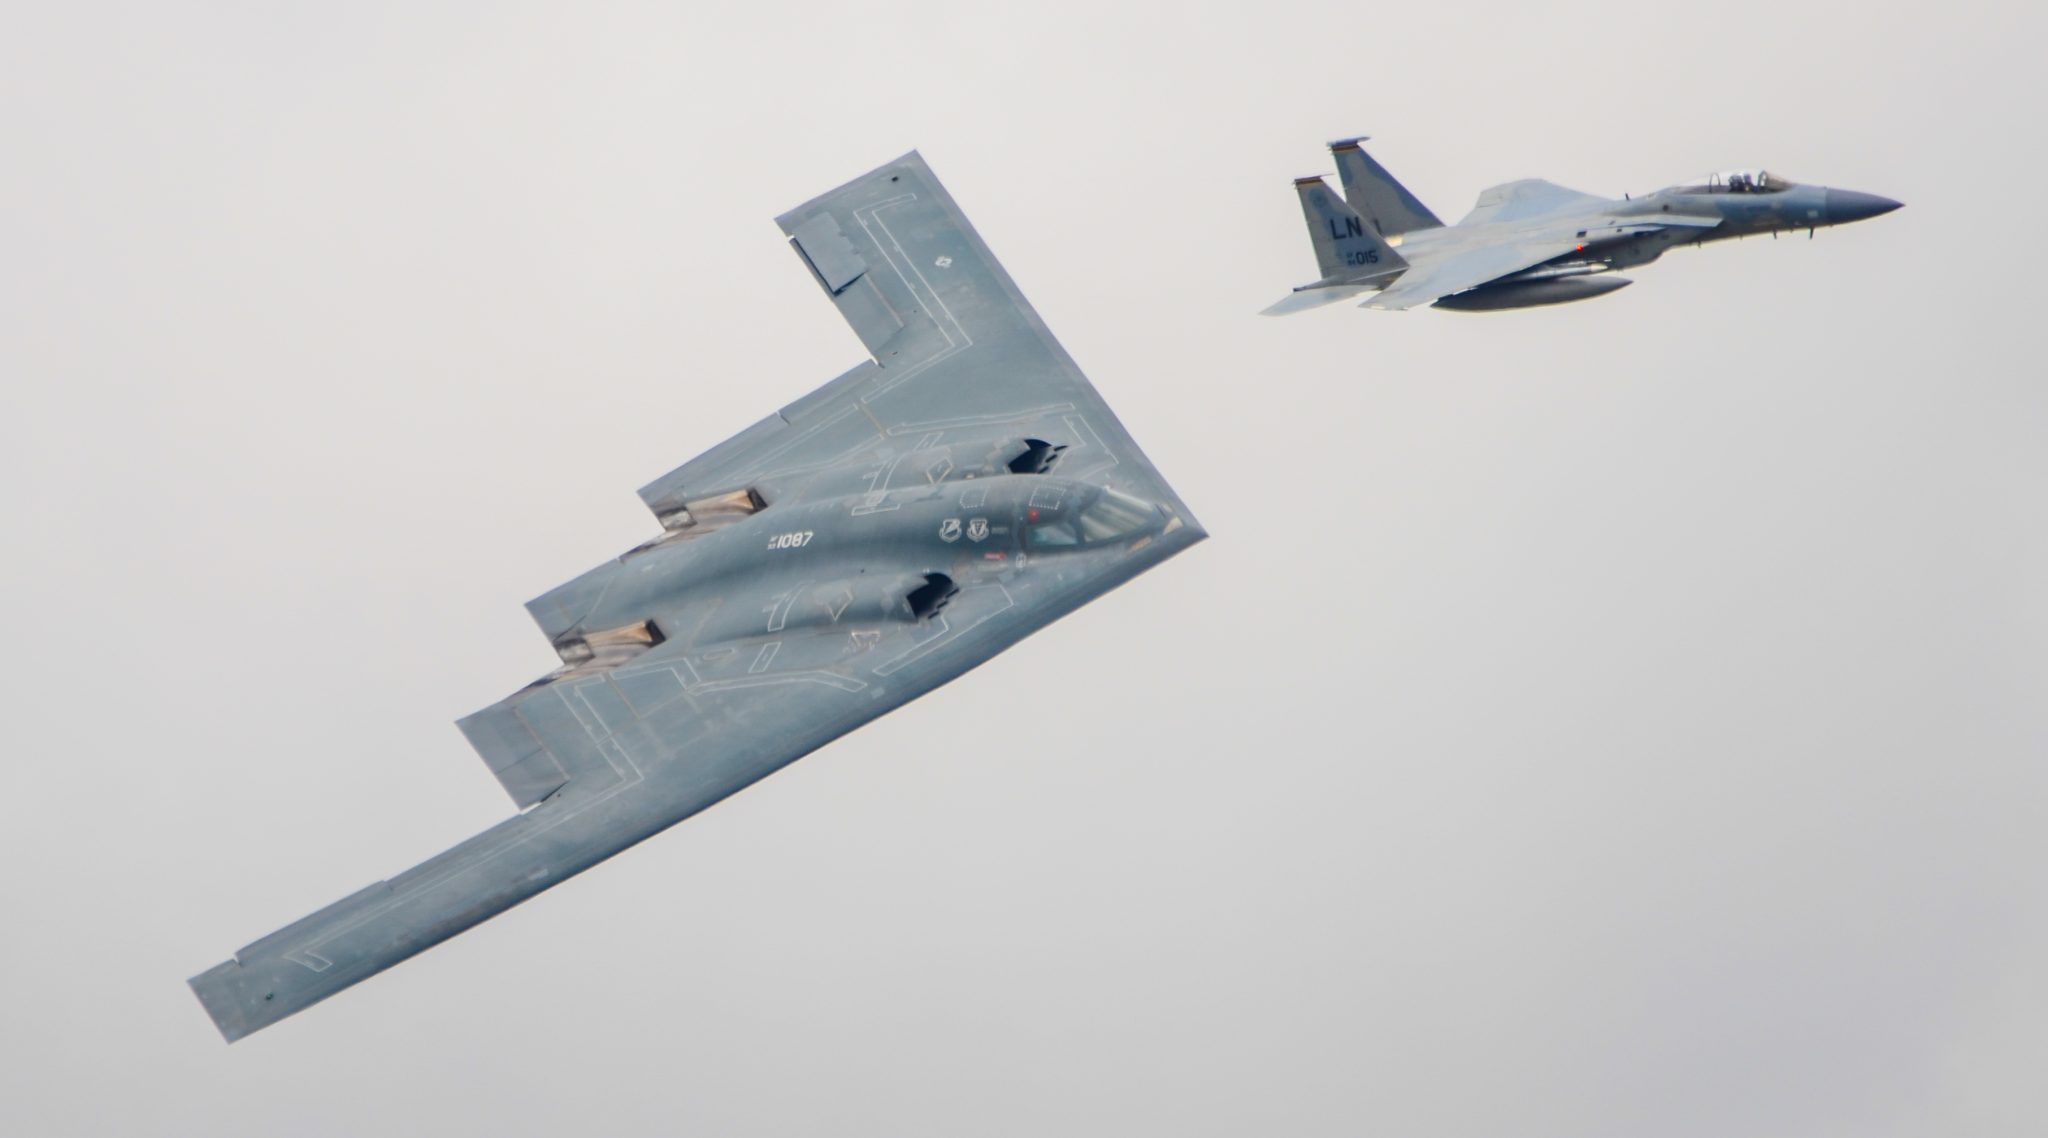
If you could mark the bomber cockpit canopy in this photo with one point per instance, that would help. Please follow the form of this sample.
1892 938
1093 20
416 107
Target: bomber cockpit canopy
1105 515
1738 182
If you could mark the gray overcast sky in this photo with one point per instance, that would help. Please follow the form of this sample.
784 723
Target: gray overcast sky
1618 719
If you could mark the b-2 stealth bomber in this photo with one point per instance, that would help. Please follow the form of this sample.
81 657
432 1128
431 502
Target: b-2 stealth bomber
1530 242
869 542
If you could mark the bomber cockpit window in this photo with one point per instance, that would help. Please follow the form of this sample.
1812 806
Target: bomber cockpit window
1107 516
1113 515
1055 533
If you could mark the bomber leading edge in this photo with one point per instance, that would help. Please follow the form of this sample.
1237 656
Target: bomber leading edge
869 542
1530 242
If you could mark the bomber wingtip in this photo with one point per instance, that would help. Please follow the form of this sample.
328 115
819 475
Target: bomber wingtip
210 987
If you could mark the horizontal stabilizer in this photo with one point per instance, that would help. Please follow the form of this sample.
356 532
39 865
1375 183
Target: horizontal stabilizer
1312 296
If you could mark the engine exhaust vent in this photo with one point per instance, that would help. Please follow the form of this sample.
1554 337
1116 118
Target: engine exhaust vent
610 647
715 510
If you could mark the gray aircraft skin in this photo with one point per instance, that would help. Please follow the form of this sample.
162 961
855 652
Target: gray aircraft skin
869 542
1530 242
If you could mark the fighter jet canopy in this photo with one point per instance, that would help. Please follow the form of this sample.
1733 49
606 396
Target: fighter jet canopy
1738 182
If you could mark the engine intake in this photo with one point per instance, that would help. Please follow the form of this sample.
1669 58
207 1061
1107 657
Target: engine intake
928 600
1038 457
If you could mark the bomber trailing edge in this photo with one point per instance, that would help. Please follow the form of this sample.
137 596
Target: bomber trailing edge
873 540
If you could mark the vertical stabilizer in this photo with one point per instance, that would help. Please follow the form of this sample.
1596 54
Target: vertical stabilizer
1374 193
1347 249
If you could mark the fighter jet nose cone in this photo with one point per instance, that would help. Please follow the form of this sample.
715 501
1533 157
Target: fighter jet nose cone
1848 205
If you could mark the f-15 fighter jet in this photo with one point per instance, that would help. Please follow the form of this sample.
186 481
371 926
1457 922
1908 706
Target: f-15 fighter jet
1530 242
834 561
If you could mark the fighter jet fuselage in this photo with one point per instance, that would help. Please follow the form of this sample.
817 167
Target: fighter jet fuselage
1531 242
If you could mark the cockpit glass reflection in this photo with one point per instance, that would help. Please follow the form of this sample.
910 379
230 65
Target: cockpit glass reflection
1109 516
1113 515
1054 533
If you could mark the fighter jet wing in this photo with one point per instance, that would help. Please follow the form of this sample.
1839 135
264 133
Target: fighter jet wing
649 723
1432 277
1441 276
1314 296
1526 199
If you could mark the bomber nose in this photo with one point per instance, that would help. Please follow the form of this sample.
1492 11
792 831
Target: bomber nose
1850 205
